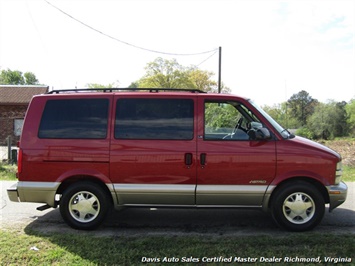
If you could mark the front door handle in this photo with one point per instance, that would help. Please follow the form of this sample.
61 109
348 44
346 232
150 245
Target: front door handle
203 159
188 159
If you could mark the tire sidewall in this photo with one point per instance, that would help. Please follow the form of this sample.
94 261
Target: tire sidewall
93 188
284 192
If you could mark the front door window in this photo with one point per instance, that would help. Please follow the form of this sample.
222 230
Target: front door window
229 121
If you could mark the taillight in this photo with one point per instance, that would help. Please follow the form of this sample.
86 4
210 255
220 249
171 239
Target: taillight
19 162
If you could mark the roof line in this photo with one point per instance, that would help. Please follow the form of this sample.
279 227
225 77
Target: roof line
23 86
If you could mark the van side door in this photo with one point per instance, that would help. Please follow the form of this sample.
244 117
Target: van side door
153 150
235 168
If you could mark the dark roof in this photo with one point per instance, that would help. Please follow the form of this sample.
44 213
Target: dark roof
11 94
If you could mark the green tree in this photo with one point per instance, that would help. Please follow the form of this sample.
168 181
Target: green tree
163 73
30 78
328 120
202 80
134 85
282 114
102 86
305 132
350 112
9 77
220 115
302 106
341 127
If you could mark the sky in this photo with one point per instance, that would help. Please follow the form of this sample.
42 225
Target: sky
270 49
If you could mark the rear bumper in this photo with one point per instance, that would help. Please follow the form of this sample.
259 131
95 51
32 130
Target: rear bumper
337 195
12 193
40 192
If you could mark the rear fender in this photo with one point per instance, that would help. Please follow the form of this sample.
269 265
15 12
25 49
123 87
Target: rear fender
78 175
82 174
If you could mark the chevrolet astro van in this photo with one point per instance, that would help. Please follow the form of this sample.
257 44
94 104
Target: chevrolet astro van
88 151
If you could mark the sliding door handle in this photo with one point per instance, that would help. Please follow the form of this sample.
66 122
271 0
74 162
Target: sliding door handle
188 159
203 159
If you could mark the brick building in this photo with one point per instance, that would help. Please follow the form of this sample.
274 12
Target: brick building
14 101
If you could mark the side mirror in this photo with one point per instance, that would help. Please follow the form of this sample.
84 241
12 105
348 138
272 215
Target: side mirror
262 134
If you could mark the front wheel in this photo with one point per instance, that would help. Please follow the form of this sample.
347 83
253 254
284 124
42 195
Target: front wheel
84 205
297 206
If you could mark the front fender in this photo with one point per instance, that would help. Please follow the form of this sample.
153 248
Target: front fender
300 174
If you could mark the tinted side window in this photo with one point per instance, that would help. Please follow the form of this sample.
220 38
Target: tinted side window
154 119
74 119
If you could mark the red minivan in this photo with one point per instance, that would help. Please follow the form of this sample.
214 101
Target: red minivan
87 151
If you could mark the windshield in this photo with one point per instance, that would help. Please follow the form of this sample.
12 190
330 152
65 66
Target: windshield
284 132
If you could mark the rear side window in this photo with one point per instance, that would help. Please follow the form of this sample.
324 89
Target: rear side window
163 119
74 119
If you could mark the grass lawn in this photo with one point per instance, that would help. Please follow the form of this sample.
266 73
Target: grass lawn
348 174
68 249
8 172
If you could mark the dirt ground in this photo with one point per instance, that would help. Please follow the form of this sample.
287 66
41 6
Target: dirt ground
345 147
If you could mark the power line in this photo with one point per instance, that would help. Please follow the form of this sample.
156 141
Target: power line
207 58
127 43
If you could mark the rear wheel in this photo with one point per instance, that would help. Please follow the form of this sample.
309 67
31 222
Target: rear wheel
84 205
297 206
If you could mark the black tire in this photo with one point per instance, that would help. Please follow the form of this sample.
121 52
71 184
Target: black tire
297 206
84 205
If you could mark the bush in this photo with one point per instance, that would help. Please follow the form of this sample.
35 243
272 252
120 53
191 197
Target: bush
7 171
305 132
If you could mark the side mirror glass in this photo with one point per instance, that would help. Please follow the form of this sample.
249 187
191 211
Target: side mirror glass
262 134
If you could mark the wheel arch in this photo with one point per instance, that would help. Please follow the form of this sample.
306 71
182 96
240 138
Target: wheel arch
81 178
317 184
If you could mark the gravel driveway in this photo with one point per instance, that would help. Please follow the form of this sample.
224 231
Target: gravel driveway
145 221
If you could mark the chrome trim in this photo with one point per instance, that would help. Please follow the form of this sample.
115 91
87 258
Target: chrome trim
41 192
113 195
191 206
267 197
159 206
154 188
225 189
337 195
161 194
230 206
190 195
230 195
12 193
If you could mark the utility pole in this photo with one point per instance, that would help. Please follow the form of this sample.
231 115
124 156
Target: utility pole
219 69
